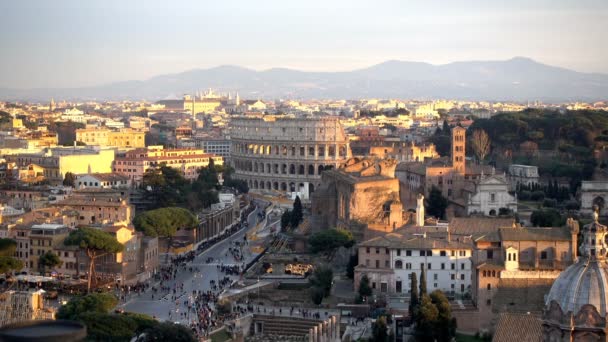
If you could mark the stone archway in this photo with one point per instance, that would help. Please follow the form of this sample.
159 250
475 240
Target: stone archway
492 212
600 202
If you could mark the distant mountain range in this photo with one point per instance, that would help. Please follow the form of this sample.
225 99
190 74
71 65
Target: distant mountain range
516 79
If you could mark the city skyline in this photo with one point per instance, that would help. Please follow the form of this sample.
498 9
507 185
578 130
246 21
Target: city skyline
70 44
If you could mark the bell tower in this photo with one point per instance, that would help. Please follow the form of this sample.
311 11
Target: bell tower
458 149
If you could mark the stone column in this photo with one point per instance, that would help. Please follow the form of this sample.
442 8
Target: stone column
320 333
312 334
336 324
336 152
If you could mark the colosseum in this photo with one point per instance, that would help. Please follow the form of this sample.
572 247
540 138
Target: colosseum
285 153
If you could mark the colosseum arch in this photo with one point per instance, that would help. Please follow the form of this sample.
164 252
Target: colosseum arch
311 151
268 186
301 170
284 169
311 170
342 151
292 169
268 168
283 186
261 184
255 167
292 187
276 168
320 169
275 185
268 149
255 184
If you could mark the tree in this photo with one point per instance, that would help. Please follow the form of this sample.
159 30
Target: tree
480 141
423 282
425 319
7 261
96 243
69 179
547 218
167 332
353 261
164 222
445 325
365 289
436 204
93 302
322 277
50 260
296 214
414 296
285 219
330 239
316 295
380 330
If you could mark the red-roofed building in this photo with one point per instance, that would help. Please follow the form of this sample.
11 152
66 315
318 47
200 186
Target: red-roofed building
135 163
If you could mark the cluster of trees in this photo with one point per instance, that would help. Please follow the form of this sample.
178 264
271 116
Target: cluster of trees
165 222
365 289
292 218
329 240
321 281
49 260
436 204
432 313
7 260
442 139
547 217
93 310
66 131
536 192
572 134
167 187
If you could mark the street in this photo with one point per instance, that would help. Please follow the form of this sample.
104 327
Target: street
170 306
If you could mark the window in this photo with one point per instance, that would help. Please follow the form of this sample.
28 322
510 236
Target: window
435 276
422 266
387 263
408 266
377 263
443 266
489 302
453 276
462 277
435 285
489 287
367 262
453 253
543 255
377 250
374 285
453 266
490 253
463 253
492 197
387 250
398 252
399 264
367 250
442 253
408 253
462 266
429 266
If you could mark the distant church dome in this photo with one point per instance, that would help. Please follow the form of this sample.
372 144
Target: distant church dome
577 305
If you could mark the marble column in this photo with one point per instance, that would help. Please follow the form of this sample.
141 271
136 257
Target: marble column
313 334
320 333
336 331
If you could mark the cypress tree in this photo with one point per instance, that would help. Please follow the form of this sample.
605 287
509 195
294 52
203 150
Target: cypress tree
414 296
423 282
296 213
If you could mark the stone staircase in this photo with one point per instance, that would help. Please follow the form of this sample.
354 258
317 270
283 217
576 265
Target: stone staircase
284 326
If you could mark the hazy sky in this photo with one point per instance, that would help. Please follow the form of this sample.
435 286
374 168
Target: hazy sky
86 42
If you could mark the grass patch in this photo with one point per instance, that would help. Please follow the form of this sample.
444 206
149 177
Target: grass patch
221 336
469 338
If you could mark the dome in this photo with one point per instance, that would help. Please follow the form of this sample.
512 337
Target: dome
577 304
585 282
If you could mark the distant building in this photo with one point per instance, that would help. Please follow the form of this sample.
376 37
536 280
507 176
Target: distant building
102 180
405 151
135 163
126 138
96 206
594 193
490 196
522 175
56 162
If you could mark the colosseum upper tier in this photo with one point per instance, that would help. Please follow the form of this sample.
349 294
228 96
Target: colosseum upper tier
286 153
